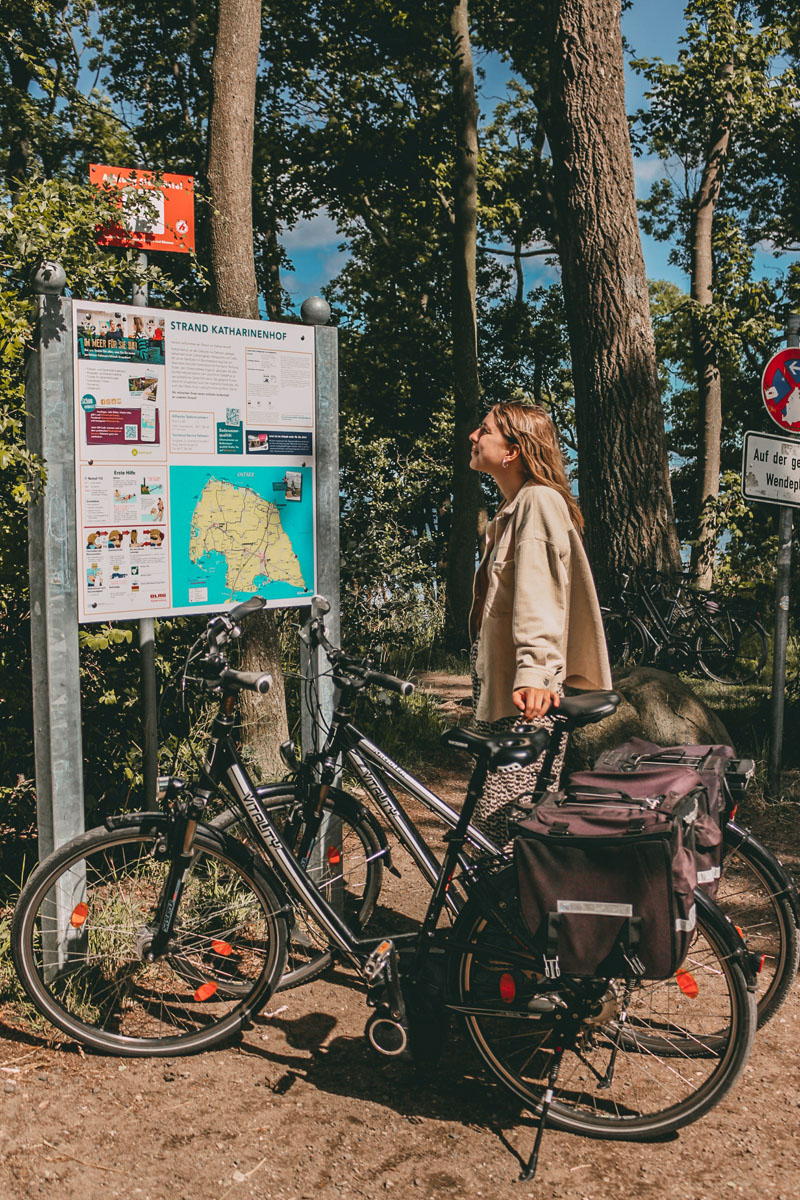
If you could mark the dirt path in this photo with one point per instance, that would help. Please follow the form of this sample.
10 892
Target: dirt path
301 1108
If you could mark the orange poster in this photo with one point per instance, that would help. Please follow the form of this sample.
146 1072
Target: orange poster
164 222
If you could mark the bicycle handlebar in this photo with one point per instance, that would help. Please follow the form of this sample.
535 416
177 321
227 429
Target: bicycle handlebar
392 683
351 671
251 681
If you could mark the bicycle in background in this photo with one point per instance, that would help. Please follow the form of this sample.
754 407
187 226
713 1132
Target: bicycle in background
680 628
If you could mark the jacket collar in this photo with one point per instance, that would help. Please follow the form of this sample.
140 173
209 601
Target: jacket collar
509 507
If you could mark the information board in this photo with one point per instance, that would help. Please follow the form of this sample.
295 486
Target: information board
771 469
194 451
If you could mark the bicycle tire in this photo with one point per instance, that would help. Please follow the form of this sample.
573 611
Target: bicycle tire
626 640
223 963
360 870
651 1094
753 895
732 649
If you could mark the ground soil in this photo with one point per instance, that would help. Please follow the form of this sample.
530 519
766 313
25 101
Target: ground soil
301 1108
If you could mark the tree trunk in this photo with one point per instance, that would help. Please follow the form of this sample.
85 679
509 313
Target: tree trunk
230 177
622 465
230 157
704 346
466 484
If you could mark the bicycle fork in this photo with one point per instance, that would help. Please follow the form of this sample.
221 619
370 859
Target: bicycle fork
181 855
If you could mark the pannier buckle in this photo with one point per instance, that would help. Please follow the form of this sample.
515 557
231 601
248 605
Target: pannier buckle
552 969
635 963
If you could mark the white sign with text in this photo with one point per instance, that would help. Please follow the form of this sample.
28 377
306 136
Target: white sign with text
771 469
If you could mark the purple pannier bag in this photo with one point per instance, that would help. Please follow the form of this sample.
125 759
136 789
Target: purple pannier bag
606 882
658 780
725 776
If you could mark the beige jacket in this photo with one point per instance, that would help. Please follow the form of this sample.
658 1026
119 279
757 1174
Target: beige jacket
534 605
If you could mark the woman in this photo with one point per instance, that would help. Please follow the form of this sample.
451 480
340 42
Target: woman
535 622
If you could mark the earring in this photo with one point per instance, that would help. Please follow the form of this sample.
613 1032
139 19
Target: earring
506 461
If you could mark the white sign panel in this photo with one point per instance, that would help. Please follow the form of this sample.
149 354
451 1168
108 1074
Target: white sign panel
771 469
194 443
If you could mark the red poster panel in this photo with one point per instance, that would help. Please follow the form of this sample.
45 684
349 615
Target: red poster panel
165 223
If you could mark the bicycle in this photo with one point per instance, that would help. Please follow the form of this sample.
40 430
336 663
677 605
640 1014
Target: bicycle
158 935
755 891
685 629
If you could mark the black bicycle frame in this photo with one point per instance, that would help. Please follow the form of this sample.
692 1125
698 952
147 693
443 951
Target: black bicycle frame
223 766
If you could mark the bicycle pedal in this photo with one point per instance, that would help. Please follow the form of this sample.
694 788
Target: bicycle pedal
376 964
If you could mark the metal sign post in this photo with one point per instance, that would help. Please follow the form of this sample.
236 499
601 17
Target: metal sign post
140 294
55 660
782 581
316 311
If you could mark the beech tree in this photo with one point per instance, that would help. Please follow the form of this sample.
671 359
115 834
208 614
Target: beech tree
622 464
466 484
230 173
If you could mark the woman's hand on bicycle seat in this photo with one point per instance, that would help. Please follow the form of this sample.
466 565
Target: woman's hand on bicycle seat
534 703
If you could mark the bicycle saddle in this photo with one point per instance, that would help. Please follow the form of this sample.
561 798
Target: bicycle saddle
499 749
586 708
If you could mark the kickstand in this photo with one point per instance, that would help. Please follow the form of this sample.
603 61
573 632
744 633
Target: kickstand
527 1175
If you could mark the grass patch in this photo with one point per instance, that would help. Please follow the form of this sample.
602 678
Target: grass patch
406 729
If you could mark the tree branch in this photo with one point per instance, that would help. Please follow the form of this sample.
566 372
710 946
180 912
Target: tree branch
522 254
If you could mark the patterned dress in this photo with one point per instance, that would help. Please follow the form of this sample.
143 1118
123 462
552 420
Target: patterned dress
503 793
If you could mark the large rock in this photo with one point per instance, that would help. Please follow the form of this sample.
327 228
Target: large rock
656 706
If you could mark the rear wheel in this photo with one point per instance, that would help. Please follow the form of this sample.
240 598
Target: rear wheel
84 924
626 639
346 864
648 1057
732 649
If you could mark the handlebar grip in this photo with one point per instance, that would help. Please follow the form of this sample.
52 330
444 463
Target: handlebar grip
251 681
390 682
254 604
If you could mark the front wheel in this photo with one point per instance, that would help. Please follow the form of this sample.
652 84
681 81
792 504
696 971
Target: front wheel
648 1058
732 649
85 921
754 895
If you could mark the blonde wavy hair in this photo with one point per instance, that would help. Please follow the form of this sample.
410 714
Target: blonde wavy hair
529 427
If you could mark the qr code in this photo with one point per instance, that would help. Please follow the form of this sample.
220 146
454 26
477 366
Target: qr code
131 433
232 416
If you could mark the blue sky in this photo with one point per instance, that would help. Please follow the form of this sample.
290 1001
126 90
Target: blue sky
651 30
313 245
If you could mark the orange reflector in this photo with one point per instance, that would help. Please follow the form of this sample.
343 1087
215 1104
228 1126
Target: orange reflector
205 991
508 989
738 929
334 857
79 914
760 966
687 983
222 948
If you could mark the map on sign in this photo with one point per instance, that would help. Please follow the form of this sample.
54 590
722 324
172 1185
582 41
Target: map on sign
780 388
237 533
